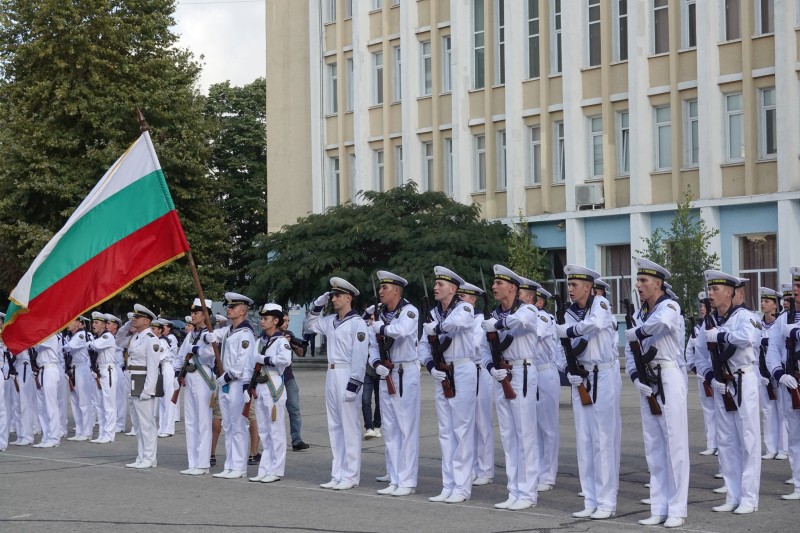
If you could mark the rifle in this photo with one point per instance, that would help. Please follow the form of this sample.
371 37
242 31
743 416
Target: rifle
791 357
34 367
497 347
181 381
12 370
572 360
719 365
93 363
707 390
69 371
762 367
251 389
438 349
642 361
384 344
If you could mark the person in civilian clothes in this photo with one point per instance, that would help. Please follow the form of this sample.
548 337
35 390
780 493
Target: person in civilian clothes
293 393
451 324
106 348
775 437
348 347
597 426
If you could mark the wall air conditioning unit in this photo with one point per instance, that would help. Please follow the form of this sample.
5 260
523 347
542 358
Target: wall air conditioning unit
589 195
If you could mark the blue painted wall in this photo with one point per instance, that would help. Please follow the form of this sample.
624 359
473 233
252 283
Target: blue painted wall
548 235
603 231
743 220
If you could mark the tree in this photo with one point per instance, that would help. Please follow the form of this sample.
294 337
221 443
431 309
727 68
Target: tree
683 250
239 164
71 77
524 257
400 230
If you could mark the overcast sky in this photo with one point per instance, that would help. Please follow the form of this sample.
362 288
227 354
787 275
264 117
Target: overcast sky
230 36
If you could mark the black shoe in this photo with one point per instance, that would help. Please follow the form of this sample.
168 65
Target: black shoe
254 459
213 460
299 446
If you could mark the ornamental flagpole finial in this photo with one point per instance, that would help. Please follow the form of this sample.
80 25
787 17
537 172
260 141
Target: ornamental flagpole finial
143 127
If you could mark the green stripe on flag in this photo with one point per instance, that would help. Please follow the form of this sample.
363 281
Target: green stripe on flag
115 218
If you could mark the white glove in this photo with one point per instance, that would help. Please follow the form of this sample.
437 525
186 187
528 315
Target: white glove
561 330
712 334
644 390
322 300
574 380
630 335
221 380
438 375
370 310
788 381
246 396
376 327
209 337
488 325
764 381
144 396
382 371
350 396
430 328
499 373
721 387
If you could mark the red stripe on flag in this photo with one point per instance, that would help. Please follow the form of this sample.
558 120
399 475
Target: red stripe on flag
95 281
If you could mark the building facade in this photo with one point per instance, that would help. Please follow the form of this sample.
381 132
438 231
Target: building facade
587 119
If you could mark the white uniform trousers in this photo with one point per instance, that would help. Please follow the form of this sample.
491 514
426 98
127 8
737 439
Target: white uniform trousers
775 435
145 426
12 403
4 412
400 425
25 405
166 409
792 418
709 414
666 445
456 418
197 414
271 432
82 399
547 424
108 402
739 438
483 465
518 428
237 438
176 408
123 391
49 415
597 429
344 428
63 394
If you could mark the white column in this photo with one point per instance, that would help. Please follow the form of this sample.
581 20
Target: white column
787 95
410 58
461 33
711 216
640 113
788 243
576 241
641 228
710 125
575 144
319 186
515 127
362 96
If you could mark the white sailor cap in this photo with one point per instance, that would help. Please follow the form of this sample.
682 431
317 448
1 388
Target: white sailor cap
580 273
342 286
99 316
602 285
795 272
645 267
112 318
507 275
130 315
2 316
716 277
83 319
221 319
187 319
469 288
234 298
166 322
197 305
671 294
742 282
702 296
156 323
787 289
272 310
445 274
667 285
543 293
384 276
529 284
142 311
765 293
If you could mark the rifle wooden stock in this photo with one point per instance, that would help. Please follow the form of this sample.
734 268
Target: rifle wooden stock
389 381
251 389
708 390
572 360
437 351
640 360
720 373
499 363
584 395
383 349
791 360
181 382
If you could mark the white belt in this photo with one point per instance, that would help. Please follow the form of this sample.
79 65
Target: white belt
604 366
744 369
331 366
517 362
665 365
462 361
545 366
50 365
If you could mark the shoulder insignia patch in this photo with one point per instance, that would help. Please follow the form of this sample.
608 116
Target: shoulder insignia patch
360 336
544 318
286 347
106 335
532 308
150 334
604 306
756 324
245 344
672 307
411 314
80 336
466 308
156 347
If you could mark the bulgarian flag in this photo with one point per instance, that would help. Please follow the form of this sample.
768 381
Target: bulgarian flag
125 229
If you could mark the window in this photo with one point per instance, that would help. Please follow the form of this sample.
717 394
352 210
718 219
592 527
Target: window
596 146
616 272
478 44
348 65
377 85
555 37
691 157
397 75
426 78
448 166
351 162
378 158
333 92
663 138
758 262
734 127
501 160
765 17
480 162
330 11
688 23
447 64
593 32
333 168
377 4
660 26
395 2
768 127
533 39
499 43
348 9
535 156
559 161
620 30
623 144
427 166
733 29
398 164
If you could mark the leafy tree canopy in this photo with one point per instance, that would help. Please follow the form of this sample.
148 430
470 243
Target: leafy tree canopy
524 256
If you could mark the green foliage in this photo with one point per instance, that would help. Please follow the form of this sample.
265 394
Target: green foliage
683 250
400 230
71 77
524 257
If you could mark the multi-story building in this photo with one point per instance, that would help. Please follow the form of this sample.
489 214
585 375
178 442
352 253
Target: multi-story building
589 119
